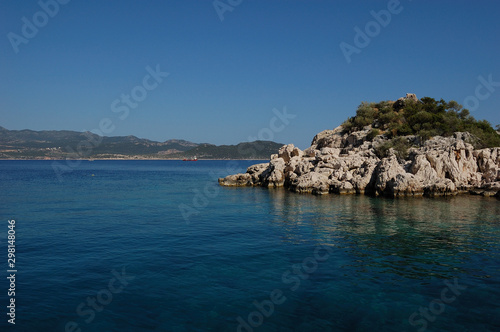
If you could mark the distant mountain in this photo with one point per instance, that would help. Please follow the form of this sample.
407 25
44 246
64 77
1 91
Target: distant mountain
61 144
248 150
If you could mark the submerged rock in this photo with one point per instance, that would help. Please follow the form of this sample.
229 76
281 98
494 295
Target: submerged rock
342 163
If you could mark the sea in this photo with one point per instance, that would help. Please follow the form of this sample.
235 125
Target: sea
159 246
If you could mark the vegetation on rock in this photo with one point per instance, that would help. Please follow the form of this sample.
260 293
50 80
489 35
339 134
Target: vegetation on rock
424 118
399 144
409 147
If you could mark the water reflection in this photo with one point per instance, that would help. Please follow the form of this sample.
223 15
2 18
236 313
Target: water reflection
414 237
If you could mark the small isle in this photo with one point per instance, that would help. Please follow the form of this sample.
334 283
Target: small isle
407 147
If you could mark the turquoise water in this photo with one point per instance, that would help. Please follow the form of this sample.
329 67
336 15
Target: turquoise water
160 246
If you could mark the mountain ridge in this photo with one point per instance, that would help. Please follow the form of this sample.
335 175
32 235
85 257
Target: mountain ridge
68 144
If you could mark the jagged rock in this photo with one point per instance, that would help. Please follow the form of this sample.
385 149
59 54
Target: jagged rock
297 152
490 189
405 184
343 163
310 152
422 168
236 180
411 96
274 175
488 164
363 176
401 101
255 171
328 139
292 164
303 167
386 171
312 182
288 151
346 188
442 187
330 151
356 138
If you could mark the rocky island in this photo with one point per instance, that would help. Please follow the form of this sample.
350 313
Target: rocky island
408 147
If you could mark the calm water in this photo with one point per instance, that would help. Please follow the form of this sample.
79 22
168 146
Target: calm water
192 256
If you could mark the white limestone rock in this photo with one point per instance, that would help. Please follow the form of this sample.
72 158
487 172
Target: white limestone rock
347 163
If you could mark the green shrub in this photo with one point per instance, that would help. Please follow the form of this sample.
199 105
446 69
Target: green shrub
372 134
365 114
388 117
405 129
361 121
348 125
399 144
464 114
425 118
385 106
425 134
382 150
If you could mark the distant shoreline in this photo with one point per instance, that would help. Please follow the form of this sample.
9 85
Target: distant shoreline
124 159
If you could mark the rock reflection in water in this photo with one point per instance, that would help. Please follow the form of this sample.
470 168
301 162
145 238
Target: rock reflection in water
408 237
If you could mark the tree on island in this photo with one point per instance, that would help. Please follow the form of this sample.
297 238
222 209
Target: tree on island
424 118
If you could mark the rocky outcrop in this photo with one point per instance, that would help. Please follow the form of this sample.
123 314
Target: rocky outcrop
342 163
410 97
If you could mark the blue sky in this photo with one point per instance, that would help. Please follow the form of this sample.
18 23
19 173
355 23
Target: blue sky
227 76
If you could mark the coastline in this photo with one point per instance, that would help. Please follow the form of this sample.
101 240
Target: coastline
102 159
344 163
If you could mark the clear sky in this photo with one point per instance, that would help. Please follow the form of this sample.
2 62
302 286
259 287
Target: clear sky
75 66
